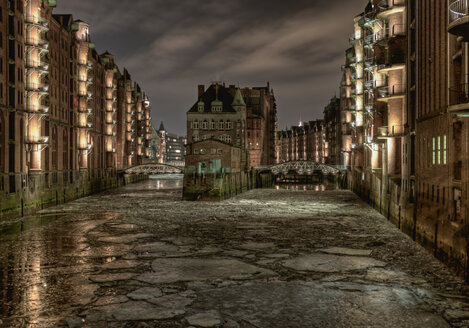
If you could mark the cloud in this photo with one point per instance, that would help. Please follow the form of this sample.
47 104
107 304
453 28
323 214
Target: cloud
171 46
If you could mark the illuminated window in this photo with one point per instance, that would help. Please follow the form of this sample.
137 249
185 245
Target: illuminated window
195 124
444 151
438 148
434 151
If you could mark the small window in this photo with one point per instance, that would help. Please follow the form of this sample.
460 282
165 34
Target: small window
220 151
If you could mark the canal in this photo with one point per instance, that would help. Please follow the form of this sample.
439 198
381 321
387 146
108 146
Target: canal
290 256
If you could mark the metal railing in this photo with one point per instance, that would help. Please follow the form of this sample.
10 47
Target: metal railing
459 94
389 4
392 90
457 10
391 32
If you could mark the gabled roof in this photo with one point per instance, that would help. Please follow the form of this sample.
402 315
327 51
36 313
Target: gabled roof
210 95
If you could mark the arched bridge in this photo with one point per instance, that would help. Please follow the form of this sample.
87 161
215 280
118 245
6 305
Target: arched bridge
155 168
304 168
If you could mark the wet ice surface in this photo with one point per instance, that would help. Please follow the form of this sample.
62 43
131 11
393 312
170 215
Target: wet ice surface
140 257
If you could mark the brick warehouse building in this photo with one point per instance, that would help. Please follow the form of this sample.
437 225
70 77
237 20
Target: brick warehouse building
216 132
256 137
404 103
68 114
305 142
317 141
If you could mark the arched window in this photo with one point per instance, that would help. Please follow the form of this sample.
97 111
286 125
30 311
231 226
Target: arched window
212 125
229 125
205 125
221 125
195 124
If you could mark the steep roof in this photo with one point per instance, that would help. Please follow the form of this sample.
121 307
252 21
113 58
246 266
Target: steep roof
211 95
238 99
161 127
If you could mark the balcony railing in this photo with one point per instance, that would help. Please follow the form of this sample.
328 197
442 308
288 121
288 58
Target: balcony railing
393 131
42 110
391 32
36 42
41 24
392 91
38 141
386 5
459 99
458 18
37 87
38 65
387 62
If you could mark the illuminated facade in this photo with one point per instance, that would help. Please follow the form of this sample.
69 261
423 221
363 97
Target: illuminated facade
305 142
59 99
404 100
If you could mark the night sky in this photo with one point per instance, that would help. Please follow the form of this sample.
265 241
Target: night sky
171 46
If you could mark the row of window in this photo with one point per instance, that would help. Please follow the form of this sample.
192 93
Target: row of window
225 138
212 125
213 151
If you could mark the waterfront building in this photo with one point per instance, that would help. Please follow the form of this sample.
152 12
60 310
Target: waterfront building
68 114
404 102
216 132
172 147
261 124
305 142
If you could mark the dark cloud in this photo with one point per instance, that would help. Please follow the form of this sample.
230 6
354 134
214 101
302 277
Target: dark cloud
171 46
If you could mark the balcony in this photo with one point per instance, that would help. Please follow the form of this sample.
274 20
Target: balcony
388 33
389 7
40 110
39 66
37 87
40 24
391 62
388 132
37 43
458 18
38 141
459 100
391 92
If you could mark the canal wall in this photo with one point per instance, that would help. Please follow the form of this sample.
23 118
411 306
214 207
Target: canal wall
417 214
219 186
42 190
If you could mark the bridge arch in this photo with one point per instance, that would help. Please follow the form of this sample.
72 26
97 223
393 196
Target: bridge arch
154 168
304 168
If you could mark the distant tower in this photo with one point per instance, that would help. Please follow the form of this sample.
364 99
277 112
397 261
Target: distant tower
240 106
163 150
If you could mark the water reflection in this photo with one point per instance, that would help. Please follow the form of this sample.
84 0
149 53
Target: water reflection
304 187
165 181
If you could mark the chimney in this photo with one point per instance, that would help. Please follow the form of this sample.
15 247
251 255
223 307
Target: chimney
201 90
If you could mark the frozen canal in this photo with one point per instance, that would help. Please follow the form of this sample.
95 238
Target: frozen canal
140 257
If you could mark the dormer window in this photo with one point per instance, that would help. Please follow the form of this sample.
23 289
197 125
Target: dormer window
217 106
201 106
